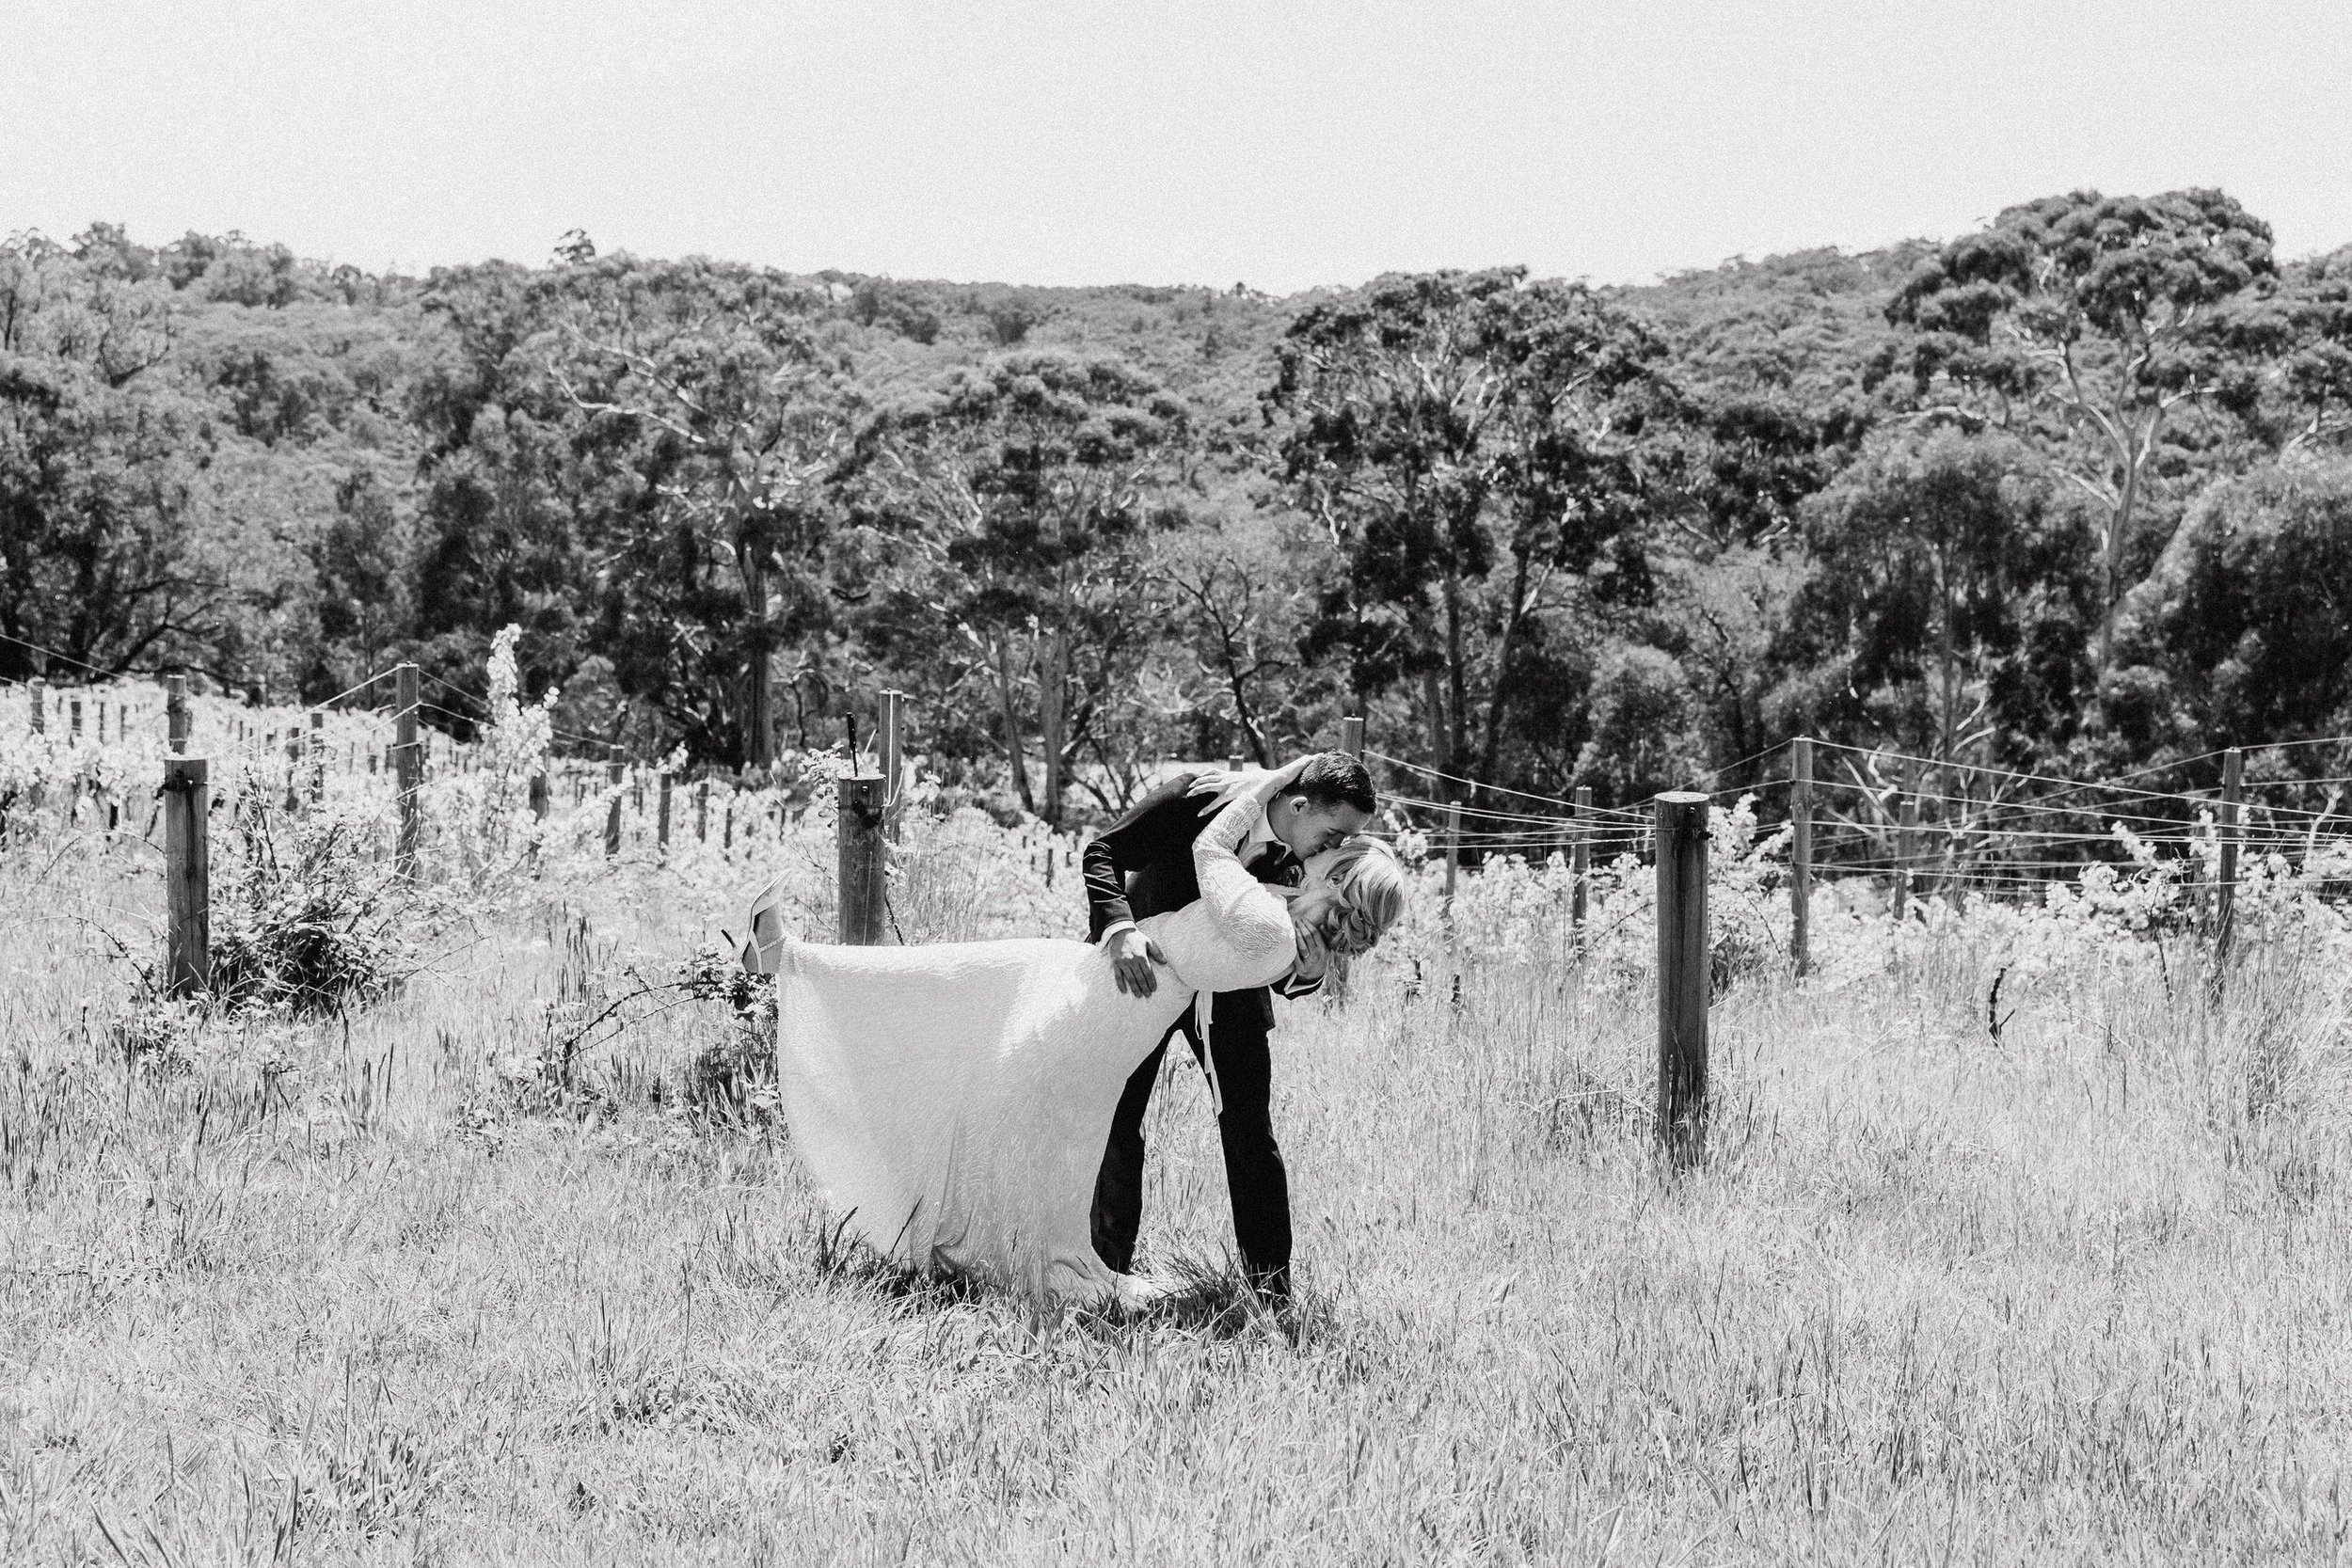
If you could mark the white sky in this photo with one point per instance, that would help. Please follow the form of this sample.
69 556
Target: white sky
1283 145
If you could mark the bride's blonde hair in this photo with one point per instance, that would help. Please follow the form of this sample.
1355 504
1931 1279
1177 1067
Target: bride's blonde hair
1372 885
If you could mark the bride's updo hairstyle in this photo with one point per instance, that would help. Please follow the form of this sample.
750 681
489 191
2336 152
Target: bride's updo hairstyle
1371 884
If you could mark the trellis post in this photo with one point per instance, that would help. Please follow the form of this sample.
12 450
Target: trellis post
613 772
863 862
407 767
1352 736
1801 854
1453 853
1579 864
1907 818
892 748
188 876
1682 974
2225 893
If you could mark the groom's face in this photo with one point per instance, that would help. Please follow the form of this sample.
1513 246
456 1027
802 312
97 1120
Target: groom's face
1310 828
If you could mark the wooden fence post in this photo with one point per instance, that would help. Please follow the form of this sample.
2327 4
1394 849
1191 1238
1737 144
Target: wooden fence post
1907 819
38 691
1352 736
73 724
702 811
176 714
862 886
1682 974
2225 894
1453 853
188 876
613 810
318 757
1580 865
1801 855
661 827
407 766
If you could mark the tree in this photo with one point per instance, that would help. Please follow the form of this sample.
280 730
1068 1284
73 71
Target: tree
2100 312
712 388
2256 635
1948 596
103 492
1471 444
1238 608
1024 483
2314 348
630 455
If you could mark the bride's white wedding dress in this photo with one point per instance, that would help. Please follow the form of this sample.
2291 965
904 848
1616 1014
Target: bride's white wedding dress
953 1101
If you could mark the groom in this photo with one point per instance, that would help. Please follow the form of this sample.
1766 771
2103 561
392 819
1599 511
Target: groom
1141 866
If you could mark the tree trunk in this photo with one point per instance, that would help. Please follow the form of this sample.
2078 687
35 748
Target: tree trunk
1457 680
1015 758
1499 696
1433 714
760 718
1053 691
1947 741
2136 450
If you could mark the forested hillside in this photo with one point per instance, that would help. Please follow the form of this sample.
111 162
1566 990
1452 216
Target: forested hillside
2069 494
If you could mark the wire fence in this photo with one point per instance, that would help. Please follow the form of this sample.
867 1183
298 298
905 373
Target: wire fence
1948 823
1944 823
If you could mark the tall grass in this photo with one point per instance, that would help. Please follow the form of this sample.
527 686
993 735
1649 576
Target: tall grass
367 1289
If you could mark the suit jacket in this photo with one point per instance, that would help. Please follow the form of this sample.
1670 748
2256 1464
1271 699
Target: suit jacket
1141 866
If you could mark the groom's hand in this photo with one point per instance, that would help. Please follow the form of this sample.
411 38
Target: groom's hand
1133 954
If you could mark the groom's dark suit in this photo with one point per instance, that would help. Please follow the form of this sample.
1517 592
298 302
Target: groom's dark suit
1141 866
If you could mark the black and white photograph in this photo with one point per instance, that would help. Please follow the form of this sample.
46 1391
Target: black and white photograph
1301 784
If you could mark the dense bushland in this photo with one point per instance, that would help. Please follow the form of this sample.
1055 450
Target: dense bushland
2063 495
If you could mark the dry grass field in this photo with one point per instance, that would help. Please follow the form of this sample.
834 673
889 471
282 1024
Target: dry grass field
344 1293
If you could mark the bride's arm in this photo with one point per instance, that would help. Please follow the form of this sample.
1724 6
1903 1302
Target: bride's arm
1236 900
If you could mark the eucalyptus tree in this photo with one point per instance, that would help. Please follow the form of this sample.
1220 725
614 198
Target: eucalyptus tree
1949 597
104 494
2086 323
1023 487
725 407
1474 445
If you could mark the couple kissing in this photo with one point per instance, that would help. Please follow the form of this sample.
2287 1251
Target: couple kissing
977 1108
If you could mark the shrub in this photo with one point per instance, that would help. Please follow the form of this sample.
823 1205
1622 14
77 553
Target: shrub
304 920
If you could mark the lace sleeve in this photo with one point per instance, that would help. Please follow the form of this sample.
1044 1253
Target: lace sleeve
1252 920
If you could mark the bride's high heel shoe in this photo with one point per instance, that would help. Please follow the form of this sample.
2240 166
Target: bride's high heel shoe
1141 1292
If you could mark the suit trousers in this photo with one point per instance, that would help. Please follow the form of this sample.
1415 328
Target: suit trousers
1239 1024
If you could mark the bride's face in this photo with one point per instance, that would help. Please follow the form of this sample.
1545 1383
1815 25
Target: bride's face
1322 911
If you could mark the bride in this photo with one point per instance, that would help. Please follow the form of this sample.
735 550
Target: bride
952 1100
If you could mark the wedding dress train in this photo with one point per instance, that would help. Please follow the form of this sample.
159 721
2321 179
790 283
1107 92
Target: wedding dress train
953 1101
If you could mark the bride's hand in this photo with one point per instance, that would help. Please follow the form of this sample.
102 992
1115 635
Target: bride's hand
1279 779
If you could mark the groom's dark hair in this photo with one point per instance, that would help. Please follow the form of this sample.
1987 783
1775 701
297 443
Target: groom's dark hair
1335 779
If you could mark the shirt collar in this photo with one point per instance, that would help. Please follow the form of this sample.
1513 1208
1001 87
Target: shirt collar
1261 834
